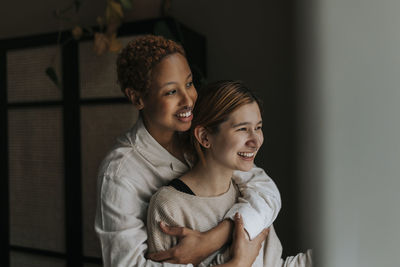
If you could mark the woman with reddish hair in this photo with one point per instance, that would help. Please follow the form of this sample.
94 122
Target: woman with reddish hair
226 134
155 76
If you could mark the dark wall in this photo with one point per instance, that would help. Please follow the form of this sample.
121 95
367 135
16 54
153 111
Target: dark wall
253 41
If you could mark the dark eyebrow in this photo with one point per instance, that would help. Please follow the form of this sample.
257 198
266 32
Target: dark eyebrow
244 123
168 83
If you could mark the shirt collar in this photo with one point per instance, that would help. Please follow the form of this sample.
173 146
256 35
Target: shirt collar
150 149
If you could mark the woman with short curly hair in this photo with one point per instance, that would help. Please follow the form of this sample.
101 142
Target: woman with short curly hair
154 74
136 61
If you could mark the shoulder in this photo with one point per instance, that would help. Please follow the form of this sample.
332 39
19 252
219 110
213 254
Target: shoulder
255 171
168 202
165 196
252 176
235 189
116 159
123 164
124 157
162 208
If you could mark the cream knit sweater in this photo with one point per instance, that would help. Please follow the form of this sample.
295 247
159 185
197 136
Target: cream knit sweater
177 208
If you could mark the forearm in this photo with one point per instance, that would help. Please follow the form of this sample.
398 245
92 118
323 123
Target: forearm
218 236
234 262
122 237
124 247
230 263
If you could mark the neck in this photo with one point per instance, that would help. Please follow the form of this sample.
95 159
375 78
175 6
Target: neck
167 139
208 180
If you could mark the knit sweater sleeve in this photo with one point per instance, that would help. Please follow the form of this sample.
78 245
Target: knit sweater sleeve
161 208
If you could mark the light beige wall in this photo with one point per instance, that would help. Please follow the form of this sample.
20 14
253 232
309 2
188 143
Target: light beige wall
355 92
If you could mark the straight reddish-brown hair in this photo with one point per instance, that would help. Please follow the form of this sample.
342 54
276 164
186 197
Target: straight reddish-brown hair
215 103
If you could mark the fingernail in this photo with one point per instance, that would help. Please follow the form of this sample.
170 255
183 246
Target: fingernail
162 223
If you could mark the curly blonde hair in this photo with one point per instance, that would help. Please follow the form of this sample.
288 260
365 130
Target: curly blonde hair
136 61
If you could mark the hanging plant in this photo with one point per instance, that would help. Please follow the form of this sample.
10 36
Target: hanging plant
105 40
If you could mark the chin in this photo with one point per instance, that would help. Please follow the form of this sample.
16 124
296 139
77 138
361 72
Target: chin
182 128
245 168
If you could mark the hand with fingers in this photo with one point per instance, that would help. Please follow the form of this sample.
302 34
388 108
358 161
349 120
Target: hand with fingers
244 251
193 246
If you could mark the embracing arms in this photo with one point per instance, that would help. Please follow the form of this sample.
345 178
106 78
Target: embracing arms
193 246
121 216
243 251
120 225
259 203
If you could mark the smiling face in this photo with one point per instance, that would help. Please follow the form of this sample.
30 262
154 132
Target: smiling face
235 145
168 105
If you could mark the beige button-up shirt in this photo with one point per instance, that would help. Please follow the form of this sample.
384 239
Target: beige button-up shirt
133 171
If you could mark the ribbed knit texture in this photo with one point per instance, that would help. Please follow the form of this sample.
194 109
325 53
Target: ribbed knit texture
172 207
177 208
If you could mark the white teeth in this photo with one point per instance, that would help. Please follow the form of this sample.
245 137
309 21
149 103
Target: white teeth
246 155
184 114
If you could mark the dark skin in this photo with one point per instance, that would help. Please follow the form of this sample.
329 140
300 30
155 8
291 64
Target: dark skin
171 92
195 246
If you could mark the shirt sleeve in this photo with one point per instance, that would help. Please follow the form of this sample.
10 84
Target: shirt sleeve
299 260
259 203
121 232
159 211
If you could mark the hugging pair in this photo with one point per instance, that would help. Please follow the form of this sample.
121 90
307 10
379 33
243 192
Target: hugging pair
217 206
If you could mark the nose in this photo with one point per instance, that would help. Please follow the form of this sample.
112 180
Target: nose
187 98
256 138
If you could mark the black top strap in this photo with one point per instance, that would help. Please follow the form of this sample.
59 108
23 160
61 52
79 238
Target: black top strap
181 186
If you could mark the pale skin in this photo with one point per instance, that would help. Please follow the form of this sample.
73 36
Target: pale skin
240 133
166 110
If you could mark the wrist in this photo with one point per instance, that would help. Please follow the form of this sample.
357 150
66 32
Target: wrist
209 242
220 235
238 262
206 247
234 262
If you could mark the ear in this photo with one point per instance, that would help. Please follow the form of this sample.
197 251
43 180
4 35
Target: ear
135 97
203 136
